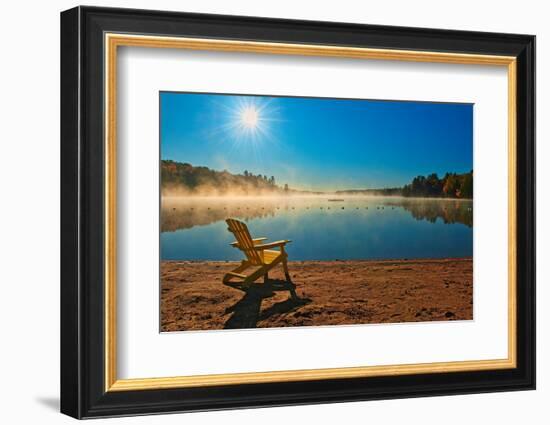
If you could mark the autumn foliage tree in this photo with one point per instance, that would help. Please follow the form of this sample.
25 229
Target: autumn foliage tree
452 185
186 178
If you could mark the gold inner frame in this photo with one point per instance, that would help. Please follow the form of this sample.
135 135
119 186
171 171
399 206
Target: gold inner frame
113 41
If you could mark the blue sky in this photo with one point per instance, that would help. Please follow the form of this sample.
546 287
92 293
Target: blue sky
317 143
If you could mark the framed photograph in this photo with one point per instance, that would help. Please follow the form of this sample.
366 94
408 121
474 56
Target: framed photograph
261 212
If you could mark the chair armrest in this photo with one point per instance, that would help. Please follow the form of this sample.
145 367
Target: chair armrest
263 246
254 241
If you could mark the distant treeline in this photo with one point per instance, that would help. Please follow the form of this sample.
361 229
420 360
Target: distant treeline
180 177
452 185
184 178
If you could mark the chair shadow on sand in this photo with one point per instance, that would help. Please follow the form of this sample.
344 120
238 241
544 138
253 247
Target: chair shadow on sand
247 311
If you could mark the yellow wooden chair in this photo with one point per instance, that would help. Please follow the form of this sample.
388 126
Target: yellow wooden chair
258 254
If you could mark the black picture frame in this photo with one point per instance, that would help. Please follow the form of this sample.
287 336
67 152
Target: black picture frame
83 392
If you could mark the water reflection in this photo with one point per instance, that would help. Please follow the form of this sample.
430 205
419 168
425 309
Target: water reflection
185 213
450 211
321 229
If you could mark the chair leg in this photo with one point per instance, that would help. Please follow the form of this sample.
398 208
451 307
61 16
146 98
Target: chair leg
291 285
285 267
266 277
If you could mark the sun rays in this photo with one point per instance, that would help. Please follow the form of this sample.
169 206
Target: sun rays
246 122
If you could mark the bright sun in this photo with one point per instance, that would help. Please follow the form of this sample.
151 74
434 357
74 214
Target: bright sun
249 117
249 120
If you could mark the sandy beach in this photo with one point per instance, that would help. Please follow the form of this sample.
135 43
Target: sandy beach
325 293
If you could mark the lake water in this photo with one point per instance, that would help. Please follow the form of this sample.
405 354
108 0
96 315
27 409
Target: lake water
320 229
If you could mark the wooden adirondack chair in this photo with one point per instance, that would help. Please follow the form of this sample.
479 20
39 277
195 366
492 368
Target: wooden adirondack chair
258 254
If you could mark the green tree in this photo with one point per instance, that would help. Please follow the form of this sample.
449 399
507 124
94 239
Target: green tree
467 187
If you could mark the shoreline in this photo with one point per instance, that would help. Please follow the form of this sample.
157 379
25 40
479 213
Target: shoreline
338 292
336 260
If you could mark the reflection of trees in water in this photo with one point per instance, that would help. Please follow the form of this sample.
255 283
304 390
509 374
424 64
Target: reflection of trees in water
185 217
449 211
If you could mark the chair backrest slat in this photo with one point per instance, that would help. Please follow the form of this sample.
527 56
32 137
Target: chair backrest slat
242 235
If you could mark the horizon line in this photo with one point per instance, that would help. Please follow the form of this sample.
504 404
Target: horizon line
325 190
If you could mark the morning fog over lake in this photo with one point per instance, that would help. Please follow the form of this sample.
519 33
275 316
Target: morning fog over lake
350 228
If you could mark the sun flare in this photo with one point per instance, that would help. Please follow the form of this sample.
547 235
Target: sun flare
247 122
249 117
